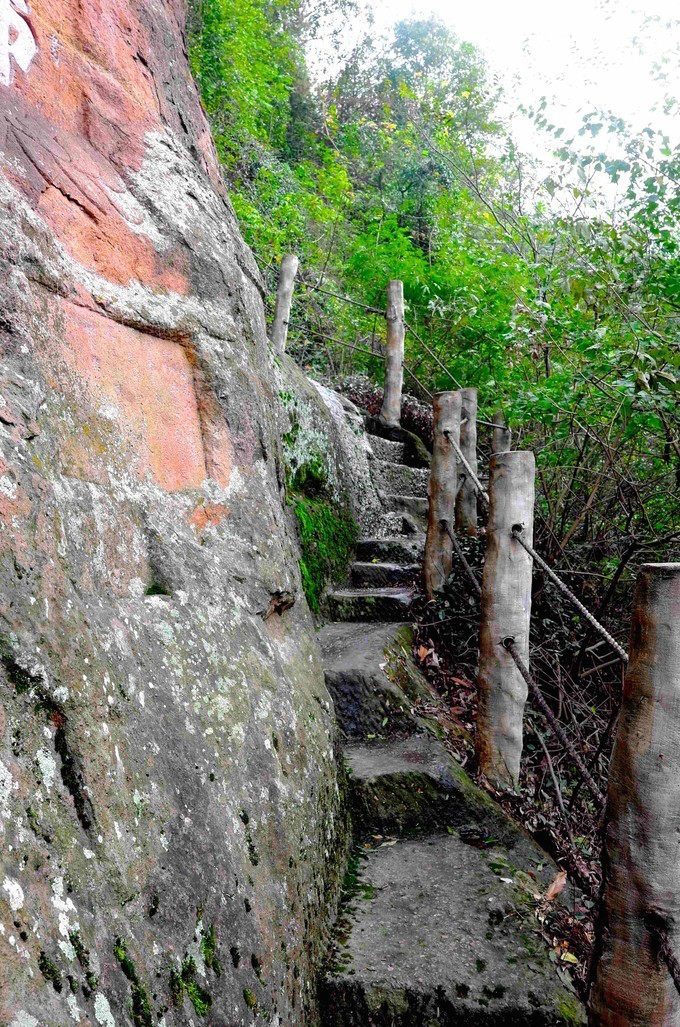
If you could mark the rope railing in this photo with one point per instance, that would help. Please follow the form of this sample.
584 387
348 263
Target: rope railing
668 956
463 559
469 470
306 330
508 643
433 355
466 464
517 535
347 299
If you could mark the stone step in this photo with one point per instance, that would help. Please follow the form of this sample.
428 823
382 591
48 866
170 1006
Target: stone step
390 525
441 934
385 449
415 506
415 452
413 785
375 604
372 678
398 549
365 575
397 478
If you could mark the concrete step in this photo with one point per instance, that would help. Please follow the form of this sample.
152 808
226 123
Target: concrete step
365 575
415 452
385 449
413 785
372 678
414 506
397 478
375 604
398 549
441 934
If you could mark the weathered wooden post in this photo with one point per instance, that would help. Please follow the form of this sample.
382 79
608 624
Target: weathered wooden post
442 491
505 613
284 299
466 500
500 441
641 915
390 413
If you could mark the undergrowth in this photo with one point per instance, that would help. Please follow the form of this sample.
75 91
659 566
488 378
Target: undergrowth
567 825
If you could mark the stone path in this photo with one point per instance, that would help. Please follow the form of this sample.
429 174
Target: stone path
441 928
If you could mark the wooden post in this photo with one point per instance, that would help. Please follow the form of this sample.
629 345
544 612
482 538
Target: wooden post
466 500
390 413
442 491
506 612
501 439
284 299
642 865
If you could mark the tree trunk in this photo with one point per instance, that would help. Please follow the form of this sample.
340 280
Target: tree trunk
442 491
501 440
642 856
390 412
506 611
466 500
284 300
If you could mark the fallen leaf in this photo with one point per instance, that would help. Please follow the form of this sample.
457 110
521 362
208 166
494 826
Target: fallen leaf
423 653
557 886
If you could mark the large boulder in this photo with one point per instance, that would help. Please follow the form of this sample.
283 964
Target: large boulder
169 811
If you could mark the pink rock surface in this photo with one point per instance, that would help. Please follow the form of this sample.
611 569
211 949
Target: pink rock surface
166 768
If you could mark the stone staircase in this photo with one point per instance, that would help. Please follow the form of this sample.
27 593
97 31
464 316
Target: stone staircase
439 928
382 580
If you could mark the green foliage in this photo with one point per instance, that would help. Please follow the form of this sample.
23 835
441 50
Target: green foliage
327 539
244 61
561 307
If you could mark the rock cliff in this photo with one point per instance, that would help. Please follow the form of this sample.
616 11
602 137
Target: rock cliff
169 810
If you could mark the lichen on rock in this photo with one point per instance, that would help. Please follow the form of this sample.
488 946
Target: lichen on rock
154 637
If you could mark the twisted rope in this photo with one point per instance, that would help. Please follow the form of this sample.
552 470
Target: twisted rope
466 464
517 535
669 958
509 644
461 556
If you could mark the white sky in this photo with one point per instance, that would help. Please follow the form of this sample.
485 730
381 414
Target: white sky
581 54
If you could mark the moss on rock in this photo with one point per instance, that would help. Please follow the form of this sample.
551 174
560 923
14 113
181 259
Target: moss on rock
328 536
142 1015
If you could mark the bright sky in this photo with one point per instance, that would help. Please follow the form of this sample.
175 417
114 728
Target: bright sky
584 54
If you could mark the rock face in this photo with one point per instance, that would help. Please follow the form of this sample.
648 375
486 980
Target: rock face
169 812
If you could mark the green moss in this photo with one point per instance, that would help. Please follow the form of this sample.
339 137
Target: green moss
176 987
199 997
49 971
209 950
157 588
570 1009
142 1015
327 539
249 998
91 979
185 982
